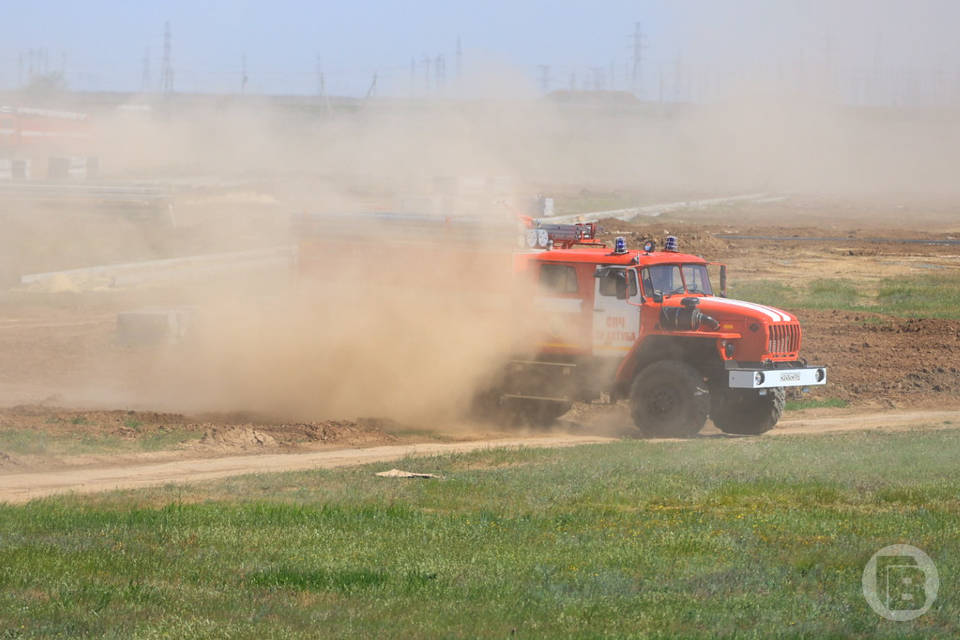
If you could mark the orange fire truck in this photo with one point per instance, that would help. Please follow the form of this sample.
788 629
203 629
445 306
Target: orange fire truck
646 325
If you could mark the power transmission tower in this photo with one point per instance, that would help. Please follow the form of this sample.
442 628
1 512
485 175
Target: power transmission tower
544 78
636 74
440 71
166 71
243 74
459 58
320 78
426 71
145 74
599 82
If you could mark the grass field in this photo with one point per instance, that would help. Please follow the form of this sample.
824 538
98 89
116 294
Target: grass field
935 295
712 537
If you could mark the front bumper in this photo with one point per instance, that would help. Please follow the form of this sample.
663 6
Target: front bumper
759 377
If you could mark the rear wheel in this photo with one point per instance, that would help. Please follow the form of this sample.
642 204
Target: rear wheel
746 412
669 398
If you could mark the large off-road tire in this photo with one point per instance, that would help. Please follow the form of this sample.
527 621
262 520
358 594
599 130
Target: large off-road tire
746 412
669 398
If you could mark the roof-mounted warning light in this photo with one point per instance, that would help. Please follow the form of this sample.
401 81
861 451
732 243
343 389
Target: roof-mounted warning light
670 244
620 245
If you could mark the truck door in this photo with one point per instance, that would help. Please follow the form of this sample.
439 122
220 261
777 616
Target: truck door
616 316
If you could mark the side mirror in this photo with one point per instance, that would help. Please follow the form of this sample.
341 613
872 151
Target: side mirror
657 296
723 281
621 285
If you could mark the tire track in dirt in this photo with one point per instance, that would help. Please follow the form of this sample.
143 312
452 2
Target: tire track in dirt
22 487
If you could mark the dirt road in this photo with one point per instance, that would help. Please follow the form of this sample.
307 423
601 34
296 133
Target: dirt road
21 487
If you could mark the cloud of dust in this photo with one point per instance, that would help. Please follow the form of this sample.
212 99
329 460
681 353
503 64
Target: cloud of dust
407 330
372 328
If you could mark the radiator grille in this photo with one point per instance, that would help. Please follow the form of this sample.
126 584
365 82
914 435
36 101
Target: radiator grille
783 339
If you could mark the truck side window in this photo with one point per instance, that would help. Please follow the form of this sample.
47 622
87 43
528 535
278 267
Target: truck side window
608 283
558 278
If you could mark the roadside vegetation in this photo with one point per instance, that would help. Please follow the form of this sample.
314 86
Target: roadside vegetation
35 442
933 295
712 537
815 403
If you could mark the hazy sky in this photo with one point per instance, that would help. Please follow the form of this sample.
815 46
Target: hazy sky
104 41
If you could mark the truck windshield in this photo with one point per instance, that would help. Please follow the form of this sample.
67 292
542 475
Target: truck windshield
697 279
670 279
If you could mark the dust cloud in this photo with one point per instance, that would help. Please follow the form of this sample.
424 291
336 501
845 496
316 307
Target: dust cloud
407 330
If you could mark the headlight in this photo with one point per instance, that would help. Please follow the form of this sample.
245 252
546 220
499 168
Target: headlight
758 378
729 348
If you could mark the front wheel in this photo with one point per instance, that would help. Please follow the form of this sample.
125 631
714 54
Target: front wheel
745 412
669 398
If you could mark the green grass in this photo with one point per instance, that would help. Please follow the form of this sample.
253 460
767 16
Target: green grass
33 442
816 403
747 538
934 295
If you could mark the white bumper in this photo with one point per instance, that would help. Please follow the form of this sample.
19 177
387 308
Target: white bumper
768 378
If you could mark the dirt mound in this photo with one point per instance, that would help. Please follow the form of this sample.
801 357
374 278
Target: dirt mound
262 435
891 362
237 438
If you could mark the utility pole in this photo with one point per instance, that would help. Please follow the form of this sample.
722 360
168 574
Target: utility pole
243 74
20 69
573 81
166 71
544 70
373 86
636 75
